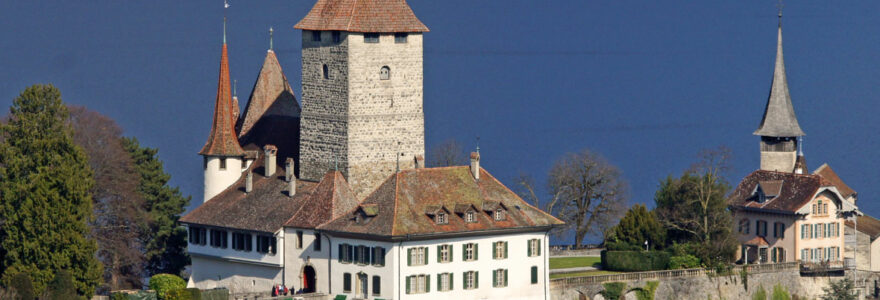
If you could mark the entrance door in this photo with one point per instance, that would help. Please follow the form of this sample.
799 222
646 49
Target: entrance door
308 280
362 286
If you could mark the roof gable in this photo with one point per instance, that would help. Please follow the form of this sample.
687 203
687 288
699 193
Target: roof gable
271 96
792 191
330 199
826 172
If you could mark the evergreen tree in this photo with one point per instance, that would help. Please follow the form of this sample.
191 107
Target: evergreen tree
637 226
44 194
165 241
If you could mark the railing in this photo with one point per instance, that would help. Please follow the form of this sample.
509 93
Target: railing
825 266
666 274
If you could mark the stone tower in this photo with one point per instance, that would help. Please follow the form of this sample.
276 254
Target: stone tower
223 155
779 129
362 83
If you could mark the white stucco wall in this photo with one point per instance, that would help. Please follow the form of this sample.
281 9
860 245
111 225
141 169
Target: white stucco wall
296 259
244 256
875 255
386 272
217 180
238 277
811 219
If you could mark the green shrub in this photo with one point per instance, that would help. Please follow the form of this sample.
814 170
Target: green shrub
780 293
760 294
23 286
118 296
613 290
647 292
61 287
686 261
163 283
634 261
215 294
184 294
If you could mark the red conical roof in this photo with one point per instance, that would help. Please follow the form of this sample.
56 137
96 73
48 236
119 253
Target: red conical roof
222 140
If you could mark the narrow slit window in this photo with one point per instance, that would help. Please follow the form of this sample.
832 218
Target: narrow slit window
326 71
385 73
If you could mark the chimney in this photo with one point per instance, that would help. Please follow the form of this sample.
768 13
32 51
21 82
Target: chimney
249 182
269 160
420 162
475 165
289 177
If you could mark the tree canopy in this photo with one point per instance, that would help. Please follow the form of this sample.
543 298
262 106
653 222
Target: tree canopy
636 227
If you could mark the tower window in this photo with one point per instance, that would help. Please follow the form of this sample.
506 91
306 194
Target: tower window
316 36
371 38
337 37
326 72
400 37
222 163
385 73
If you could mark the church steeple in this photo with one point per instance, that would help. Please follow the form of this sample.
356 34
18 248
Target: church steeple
222 141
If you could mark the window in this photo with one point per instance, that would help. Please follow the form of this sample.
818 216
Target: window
418 284
378 256
444 282
744 225
325 71
266 244
499 251
219 238
534 274
761 228
337 37
825 208
377 286
470 251
444 253
441 218
205 161
804 255
242 241
471 280
197 235
345 253
317 242
222 163
346 282
417 256
316 36
385 73
820 229
400 37
762 254
371 38
499 215
806 231
362 255
779 230
534 247
299 239
499 278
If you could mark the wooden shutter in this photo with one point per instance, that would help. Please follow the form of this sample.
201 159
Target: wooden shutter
408 279
529 247
427 281
495 278
505 249
464 280
476 251
451 258
539 243
409 259
426 255
438 260
505 277
463 252
450 275
495 250
439 283
773 255
373 255
534 274
476 279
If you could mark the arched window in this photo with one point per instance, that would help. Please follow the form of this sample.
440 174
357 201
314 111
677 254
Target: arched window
385 73
326 72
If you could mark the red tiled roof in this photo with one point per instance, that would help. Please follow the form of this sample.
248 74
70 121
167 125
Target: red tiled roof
406 199
796 191
362 16
330 199
271 96
222 141
826 172
757 241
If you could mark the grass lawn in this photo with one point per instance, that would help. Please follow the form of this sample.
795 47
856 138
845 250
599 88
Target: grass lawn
581 274
574 262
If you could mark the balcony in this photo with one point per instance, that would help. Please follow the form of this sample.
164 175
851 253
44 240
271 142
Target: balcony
836 267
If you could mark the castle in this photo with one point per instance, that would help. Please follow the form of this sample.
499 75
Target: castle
333 198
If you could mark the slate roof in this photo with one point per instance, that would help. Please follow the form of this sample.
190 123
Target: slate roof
271 96
796 190
405 199
266 208
826 172
779 119
222 140
867 225
362 16
331 198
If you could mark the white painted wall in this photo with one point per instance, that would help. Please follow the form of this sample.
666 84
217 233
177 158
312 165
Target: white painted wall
244 256
238 277
297 258
386 273
217 180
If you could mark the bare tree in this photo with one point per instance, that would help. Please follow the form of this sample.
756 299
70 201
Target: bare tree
448 153
586 192
119 217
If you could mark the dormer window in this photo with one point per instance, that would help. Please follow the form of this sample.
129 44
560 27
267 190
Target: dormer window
441 218
499 215
470 216
761 197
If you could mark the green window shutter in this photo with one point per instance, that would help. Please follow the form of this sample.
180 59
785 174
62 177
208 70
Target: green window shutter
426 255
477 279
539 245
773 255
409 257
339 254
534 274
438 260
451 256
529 247
476 251
505 277
505 249
495 250
408 279
427 283
464 280
494 278
450 279
439 284
463 252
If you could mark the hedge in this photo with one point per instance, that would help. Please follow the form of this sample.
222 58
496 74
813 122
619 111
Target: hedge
184 294
634 261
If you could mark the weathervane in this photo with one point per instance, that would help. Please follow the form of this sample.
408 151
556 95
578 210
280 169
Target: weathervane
780 5
235 88
270 37
225 6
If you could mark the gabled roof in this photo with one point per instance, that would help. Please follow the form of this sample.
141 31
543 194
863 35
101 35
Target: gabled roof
266 208
271 96
405 197
758 241
330 199
362 16
222 141
771 188
826 172
795 191
867 225
779 119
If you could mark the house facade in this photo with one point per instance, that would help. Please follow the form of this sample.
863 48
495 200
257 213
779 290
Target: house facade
332 197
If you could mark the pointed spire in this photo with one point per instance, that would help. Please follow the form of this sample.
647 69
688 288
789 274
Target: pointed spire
222 141
271 96
779 119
